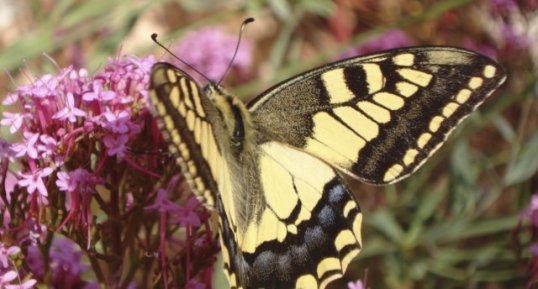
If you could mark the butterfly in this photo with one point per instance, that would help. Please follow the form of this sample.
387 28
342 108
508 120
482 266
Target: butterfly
274 168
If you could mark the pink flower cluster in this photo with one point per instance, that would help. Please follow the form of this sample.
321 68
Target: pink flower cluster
9 277
59 116
65 262
510 26
78 178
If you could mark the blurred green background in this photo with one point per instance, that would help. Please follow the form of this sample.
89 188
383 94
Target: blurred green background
457 222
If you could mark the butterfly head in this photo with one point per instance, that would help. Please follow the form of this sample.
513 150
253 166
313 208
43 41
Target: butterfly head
233 113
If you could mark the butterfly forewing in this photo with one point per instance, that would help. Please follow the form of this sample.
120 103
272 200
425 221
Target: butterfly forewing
183 116
186 118
378 117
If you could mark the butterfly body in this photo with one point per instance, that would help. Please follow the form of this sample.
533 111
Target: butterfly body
273 167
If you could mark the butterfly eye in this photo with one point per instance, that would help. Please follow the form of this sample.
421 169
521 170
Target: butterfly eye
209 90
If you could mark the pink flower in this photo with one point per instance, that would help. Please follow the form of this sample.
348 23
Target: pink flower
5 253
74 81
128 78
514 38
78 180
45 87
64 183
356 285
48 145
118 122
213 53
115 144
162 203
98 93
33 181
531 212
70 111
186 214
10 99
35 231
66 258
28 147
502 6
7 277
80 186
194 284
13 120
534 249
488 50
25 285
65 261
388 40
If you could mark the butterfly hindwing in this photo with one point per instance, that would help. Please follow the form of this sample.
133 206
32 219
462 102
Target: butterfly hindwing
309 228
307 232
378 117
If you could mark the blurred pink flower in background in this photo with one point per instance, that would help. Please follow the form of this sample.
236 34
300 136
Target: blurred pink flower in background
389 40
530 217
210 51
532 211
356 285
65 261
10 278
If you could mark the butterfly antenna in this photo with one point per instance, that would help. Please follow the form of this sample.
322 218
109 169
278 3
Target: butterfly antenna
243 25
154 38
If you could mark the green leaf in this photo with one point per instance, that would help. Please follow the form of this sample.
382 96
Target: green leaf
429 205
322 8
485 228
525 165
281 8
376 246
383 220
505 128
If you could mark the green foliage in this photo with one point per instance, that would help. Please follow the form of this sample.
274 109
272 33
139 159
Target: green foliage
525 165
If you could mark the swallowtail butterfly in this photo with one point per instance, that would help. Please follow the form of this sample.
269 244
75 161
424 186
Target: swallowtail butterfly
273 167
